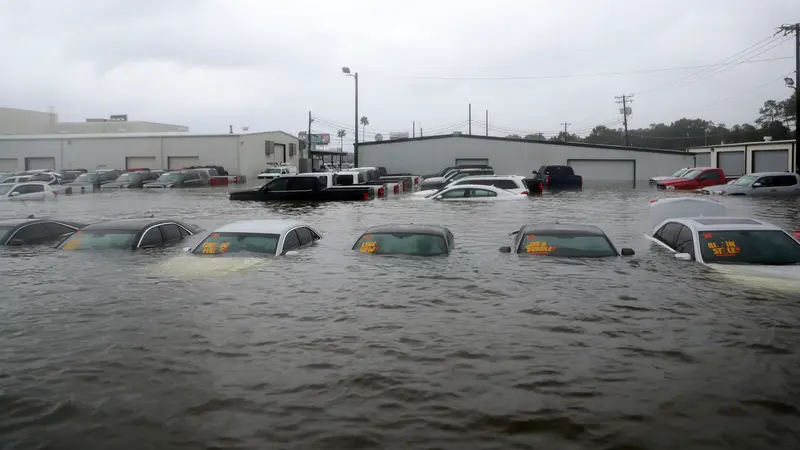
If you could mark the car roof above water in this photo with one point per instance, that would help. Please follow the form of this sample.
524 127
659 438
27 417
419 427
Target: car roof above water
727 223
409 228
553 227
128 224
265 226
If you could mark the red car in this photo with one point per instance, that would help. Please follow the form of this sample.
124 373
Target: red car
697 178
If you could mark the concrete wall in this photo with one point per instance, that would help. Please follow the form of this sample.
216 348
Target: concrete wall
239 154
253 152
21 121
748 148
423 156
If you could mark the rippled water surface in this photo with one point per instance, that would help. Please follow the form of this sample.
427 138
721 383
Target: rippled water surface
334 349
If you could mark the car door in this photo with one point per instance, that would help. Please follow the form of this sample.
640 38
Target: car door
290 242
764 186
152 238
33 234
171 233
709 178
277 189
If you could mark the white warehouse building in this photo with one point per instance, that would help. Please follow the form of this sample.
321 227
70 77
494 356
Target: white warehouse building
243 154
597 164
748 157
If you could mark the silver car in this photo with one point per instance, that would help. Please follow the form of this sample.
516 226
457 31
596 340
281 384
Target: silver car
764 184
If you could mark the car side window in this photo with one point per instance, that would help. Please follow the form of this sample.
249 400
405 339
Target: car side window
171 233
455 193
482 193
184 232
291 241
278 184
710 175
766 181
56 229
506 184
20 189
669 234
152 238
304 234
31 233
685 241
787 180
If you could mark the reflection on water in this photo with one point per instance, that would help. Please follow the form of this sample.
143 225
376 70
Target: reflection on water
336 349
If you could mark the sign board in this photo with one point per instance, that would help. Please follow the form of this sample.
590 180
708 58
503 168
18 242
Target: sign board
316 138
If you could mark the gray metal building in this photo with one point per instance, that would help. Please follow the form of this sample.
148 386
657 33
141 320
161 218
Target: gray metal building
748 157
598 164
245 154
22 121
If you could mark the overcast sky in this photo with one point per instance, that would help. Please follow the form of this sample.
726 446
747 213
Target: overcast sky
265 64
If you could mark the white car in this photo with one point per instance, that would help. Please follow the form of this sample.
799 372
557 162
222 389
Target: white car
16 179
27 191
745 250
511 183
473 192
277 171
271 237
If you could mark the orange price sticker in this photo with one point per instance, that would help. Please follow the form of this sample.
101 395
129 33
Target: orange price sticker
209 248
707 235
224 247
369 247
214 235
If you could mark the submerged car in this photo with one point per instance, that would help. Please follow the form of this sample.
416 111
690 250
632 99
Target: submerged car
98 177
764 184
132 180
473 192
271 237
31 190
511 183
412 240
678 174
129 234
563 240
179 179
35 231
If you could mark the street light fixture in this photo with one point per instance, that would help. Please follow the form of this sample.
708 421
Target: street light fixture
346 71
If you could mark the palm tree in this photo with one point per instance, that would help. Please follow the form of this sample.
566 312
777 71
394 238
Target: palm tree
341 134
364 123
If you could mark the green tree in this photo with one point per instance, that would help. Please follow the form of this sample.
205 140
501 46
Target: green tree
364 123
535 137
341 134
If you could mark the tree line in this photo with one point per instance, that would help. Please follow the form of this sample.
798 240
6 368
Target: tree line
774 119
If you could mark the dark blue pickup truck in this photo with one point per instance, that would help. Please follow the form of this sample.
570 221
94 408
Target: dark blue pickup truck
559 177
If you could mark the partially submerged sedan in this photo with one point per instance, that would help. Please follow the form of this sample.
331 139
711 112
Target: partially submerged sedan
269 237
474 192
129 234
35 231
764 184
563 240
410 240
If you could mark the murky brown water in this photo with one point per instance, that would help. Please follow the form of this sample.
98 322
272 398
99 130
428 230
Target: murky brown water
332 349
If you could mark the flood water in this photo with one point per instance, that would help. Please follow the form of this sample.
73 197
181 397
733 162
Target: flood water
332 349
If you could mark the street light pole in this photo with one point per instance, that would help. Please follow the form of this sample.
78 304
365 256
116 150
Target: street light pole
346 71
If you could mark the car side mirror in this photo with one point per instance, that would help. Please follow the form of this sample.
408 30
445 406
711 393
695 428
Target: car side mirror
16 242
438 197
187 249
755 185
683 256
505 249
291 253
535 172
627 252
14 194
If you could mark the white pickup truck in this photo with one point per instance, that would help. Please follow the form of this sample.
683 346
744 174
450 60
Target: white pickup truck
359 178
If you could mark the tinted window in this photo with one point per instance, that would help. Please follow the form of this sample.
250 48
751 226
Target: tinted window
481 182
31 233
100 239
184 232
669 233
170 177
304 234
219 243
566 245
787 180
194 176
56 229
291 242
481 193
767 181
506 184
344 180
278 184
402 244
152 238
303 183
710 175
454 193
685 241
749 247
171 233
46 177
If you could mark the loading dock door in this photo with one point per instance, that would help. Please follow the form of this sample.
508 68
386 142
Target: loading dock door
732 163
40 163
605 172
179 162
472 161
140 162
8 165
702 159
770 160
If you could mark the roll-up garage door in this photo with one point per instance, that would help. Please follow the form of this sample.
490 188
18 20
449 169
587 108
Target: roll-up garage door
702 159
40 163
732 163
605 172
179 162
472 161
8 165
770 160
140 162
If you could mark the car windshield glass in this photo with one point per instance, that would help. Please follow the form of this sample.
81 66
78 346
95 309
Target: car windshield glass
692 174
745 180
570 245
768 247
171 176
680 173
99 239
125 177
219 243
4 188
86 178
274 170
417 244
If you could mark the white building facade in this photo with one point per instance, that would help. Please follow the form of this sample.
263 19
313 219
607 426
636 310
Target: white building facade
748 157
243 154
597 164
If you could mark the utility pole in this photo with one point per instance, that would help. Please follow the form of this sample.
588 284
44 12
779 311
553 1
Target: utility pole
413 129
566 124
786 29
470 119
308 143
420 131
487 122
624 101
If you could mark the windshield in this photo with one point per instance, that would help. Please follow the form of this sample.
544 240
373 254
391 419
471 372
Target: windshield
86 178
680 173
219 243
170 176
768 247
99 239
402 244
570 245
125 177
745 180
4 188
273 170
692 174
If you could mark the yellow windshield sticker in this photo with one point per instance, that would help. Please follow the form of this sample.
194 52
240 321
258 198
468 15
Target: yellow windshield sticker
224 247
73 243
209 248
728 248
369 247
539 248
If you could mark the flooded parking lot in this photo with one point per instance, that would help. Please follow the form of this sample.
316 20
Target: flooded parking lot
335 349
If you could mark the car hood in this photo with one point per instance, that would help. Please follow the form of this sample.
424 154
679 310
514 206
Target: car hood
665 178
432 180
782 278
